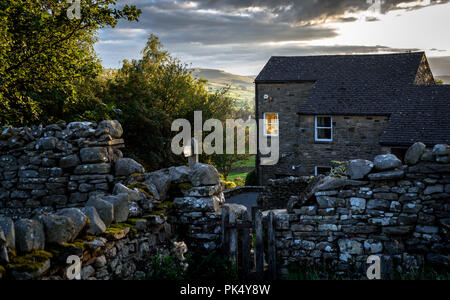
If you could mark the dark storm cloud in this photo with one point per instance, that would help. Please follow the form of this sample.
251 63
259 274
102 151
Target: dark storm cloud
293 10
243 32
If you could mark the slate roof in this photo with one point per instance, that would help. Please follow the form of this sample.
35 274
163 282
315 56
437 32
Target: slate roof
370 85
422 115
400 68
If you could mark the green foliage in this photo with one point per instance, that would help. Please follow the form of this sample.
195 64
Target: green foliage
228 184
312 273
240 87
213 267
185 186
46 57
339 168
438 81
251 179
425 273
150 93
165 267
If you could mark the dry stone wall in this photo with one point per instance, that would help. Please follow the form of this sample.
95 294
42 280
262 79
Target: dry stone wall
57 166
399 212
277 192
66 190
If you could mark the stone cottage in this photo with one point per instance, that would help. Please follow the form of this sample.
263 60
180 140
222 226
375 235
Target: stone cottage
337 108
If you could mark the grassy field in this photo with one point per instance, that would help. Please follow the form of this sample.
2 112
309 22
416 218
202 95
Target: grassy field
242 168
248 163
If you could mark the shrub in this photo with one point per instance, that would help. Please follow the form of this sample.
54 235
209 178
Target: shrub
229 184
165 267
251 179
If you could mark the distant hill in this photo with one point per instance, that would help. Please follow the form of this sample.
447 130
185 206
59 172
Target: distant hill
444 78
241 87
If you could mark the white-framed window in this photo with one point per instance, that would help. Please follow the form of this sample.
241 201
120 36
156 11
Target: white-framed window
322 170
324 129
271 124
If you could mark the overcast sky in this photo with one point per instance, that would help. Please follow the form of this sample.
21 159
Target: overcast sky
239 36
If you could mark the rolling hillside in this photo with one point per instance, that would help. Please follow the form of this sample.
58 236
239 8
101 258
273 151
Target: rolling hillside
241 87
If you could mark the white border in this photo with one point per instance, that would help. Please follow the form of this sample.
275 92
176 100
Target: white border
316 129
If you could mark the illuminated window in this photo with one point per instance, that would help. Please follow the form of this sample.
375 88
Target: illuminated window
271 124
324 129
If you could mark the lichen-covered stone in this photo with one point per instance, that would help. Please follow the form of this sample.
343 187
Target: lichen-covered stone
77 216
121 189
104 209
204 175
121 206
110 127
29 235
161 180
69 161
414 153
396 174
102 168
94 155
96 225
180 174
7 226
358 205
58 228
128 166
441 149
387 162
348 246
358 168
189 204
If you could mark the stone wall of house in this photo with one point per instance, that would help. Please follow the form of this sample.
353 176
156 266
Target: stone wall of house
353 136
400 213
284 99
278 192
424 74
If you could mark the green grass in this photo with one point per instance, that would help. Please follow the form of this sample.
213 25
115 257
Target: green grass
235 175
248 163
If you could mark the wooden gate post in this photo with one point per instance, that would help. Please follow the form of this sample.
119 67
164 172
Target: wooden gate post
245 237
272 247
259 246
233 237
225 230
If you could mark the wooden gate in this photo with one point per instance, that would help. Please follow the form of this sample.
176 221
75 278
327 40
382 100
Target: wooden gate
238 241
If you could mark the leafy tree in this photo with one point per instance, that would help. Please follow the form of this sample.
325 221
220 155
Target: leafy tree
153 91
44 55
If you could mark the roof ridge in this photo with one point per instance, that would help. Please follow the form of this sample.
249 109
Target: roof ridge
349 55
